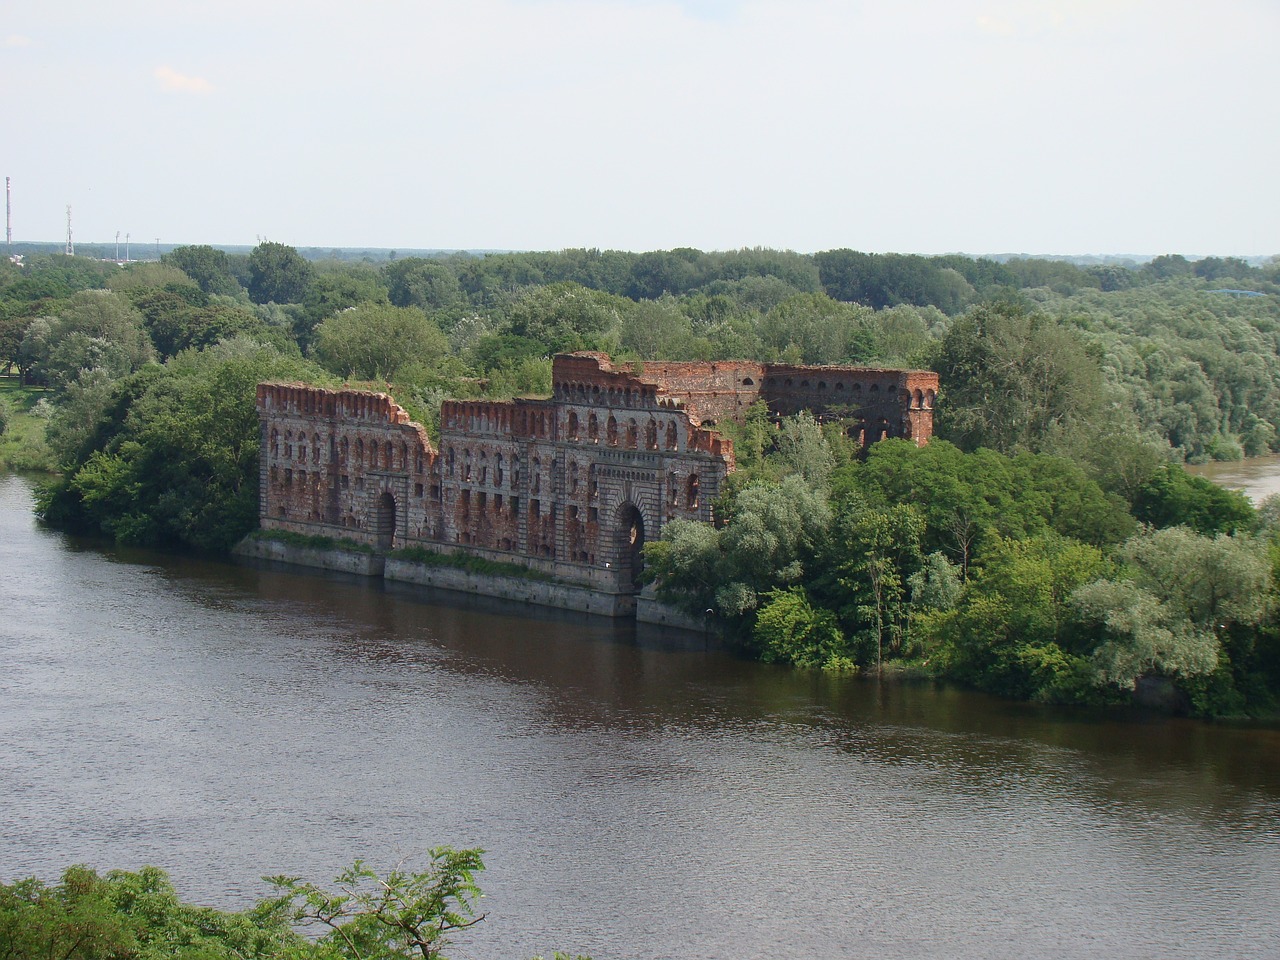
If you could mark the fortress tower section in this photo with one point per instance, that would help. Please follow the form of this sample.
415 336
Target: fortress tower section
343 463
872 403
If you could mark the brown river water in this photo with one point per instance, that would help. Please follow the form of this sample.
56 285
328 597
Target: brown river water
1259 477
639 795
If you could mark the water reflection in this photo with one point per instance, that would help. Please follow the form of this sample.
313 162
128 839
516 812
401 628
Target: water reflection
640 794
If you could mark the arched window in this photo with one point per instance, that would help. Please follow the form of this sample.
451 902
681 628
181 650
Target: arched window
275 442
929 397
651 435
573 425
671 435
611 431
691 491
497 471
633 435
593 427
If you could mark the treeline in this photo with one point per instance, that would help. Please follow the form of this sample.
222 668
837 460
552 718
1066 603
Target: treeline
1086 385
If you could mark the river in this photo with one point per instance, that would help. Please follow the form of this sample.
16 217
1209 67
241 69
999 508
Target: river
1259 477
639 796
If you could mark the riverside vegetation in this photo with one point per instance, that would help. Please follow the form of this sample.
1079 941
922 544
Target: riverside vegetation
1047 545
129 915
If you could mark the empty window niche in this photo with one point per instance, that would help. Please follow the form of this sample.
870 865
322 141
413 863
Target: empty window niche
417 490
535 508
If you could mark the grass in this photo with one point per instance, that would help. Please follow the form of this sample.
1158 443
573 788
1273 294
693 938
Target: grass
311 540
22 445
472 564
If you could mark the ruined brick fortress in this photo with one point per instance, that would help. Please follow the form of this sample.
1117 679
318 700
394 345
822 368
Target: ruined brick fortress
568 487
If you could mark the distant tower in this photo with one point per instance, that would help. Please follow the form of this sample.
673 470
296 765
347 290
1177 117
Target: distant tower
71 247
126 248
8 214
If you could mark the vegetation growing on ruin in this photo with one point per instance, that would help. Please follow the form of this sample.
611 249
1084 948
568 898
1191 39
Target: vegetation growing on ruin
1016 553
312 541
470 563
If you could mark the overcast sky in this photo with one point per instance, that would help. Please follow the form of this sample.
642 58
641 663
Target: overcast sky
918 126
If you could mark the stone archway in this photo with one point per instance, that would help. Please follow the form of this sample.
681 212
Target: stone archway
629 538
384 521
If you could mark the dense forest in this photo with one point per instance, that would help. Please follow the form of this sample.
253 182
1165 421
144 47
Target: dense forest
1047 545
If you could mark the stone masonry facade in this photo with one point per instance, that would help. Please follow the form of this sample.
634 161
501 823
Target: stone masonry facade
571 486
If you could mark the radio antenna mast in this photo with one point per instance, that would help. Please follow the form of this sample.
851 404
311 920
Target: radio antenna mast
71 247
8 214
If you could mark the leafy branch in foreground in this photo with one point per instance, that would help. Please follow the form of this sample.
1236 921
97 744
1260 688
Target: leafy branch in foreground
404 914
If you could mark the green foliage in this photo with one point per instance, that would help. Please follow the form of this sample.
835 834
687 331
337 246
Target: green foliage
1012 378
1173 497
209 268
173 454
373 341
1010 633
863 572
403 914
469 562
133 916
333 292
94 330
565 316
788 629
400 915
278 274
311 540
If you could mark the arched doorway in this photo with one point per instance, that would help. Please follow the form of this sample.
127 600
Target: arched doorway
384 521
630 543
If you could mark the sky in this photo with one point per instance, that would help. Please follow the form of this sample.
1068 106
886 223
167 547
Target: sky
912 126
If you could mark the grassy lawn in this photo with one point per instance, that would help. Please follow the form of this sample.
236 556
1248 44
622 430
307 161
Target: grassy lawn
22 445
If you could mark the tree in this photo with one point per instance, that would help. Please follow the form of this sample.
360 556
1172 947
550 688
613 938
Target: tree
422 283
864 570
1173 497
209 268
171 454
278 274
789 629
333 292
94 330
373 340
1012 378
134 915
1184 595
567 316
404 914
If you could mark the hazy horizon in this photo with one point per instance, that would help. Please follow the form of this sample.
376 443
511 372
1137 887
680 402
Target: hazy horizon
1049 126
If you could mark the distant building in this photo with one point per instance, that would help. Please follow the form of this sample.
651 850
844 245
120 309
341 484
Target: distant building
571 486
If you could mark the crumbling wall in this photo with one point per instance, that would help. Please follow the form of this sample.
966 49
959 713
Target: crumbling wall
571 486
